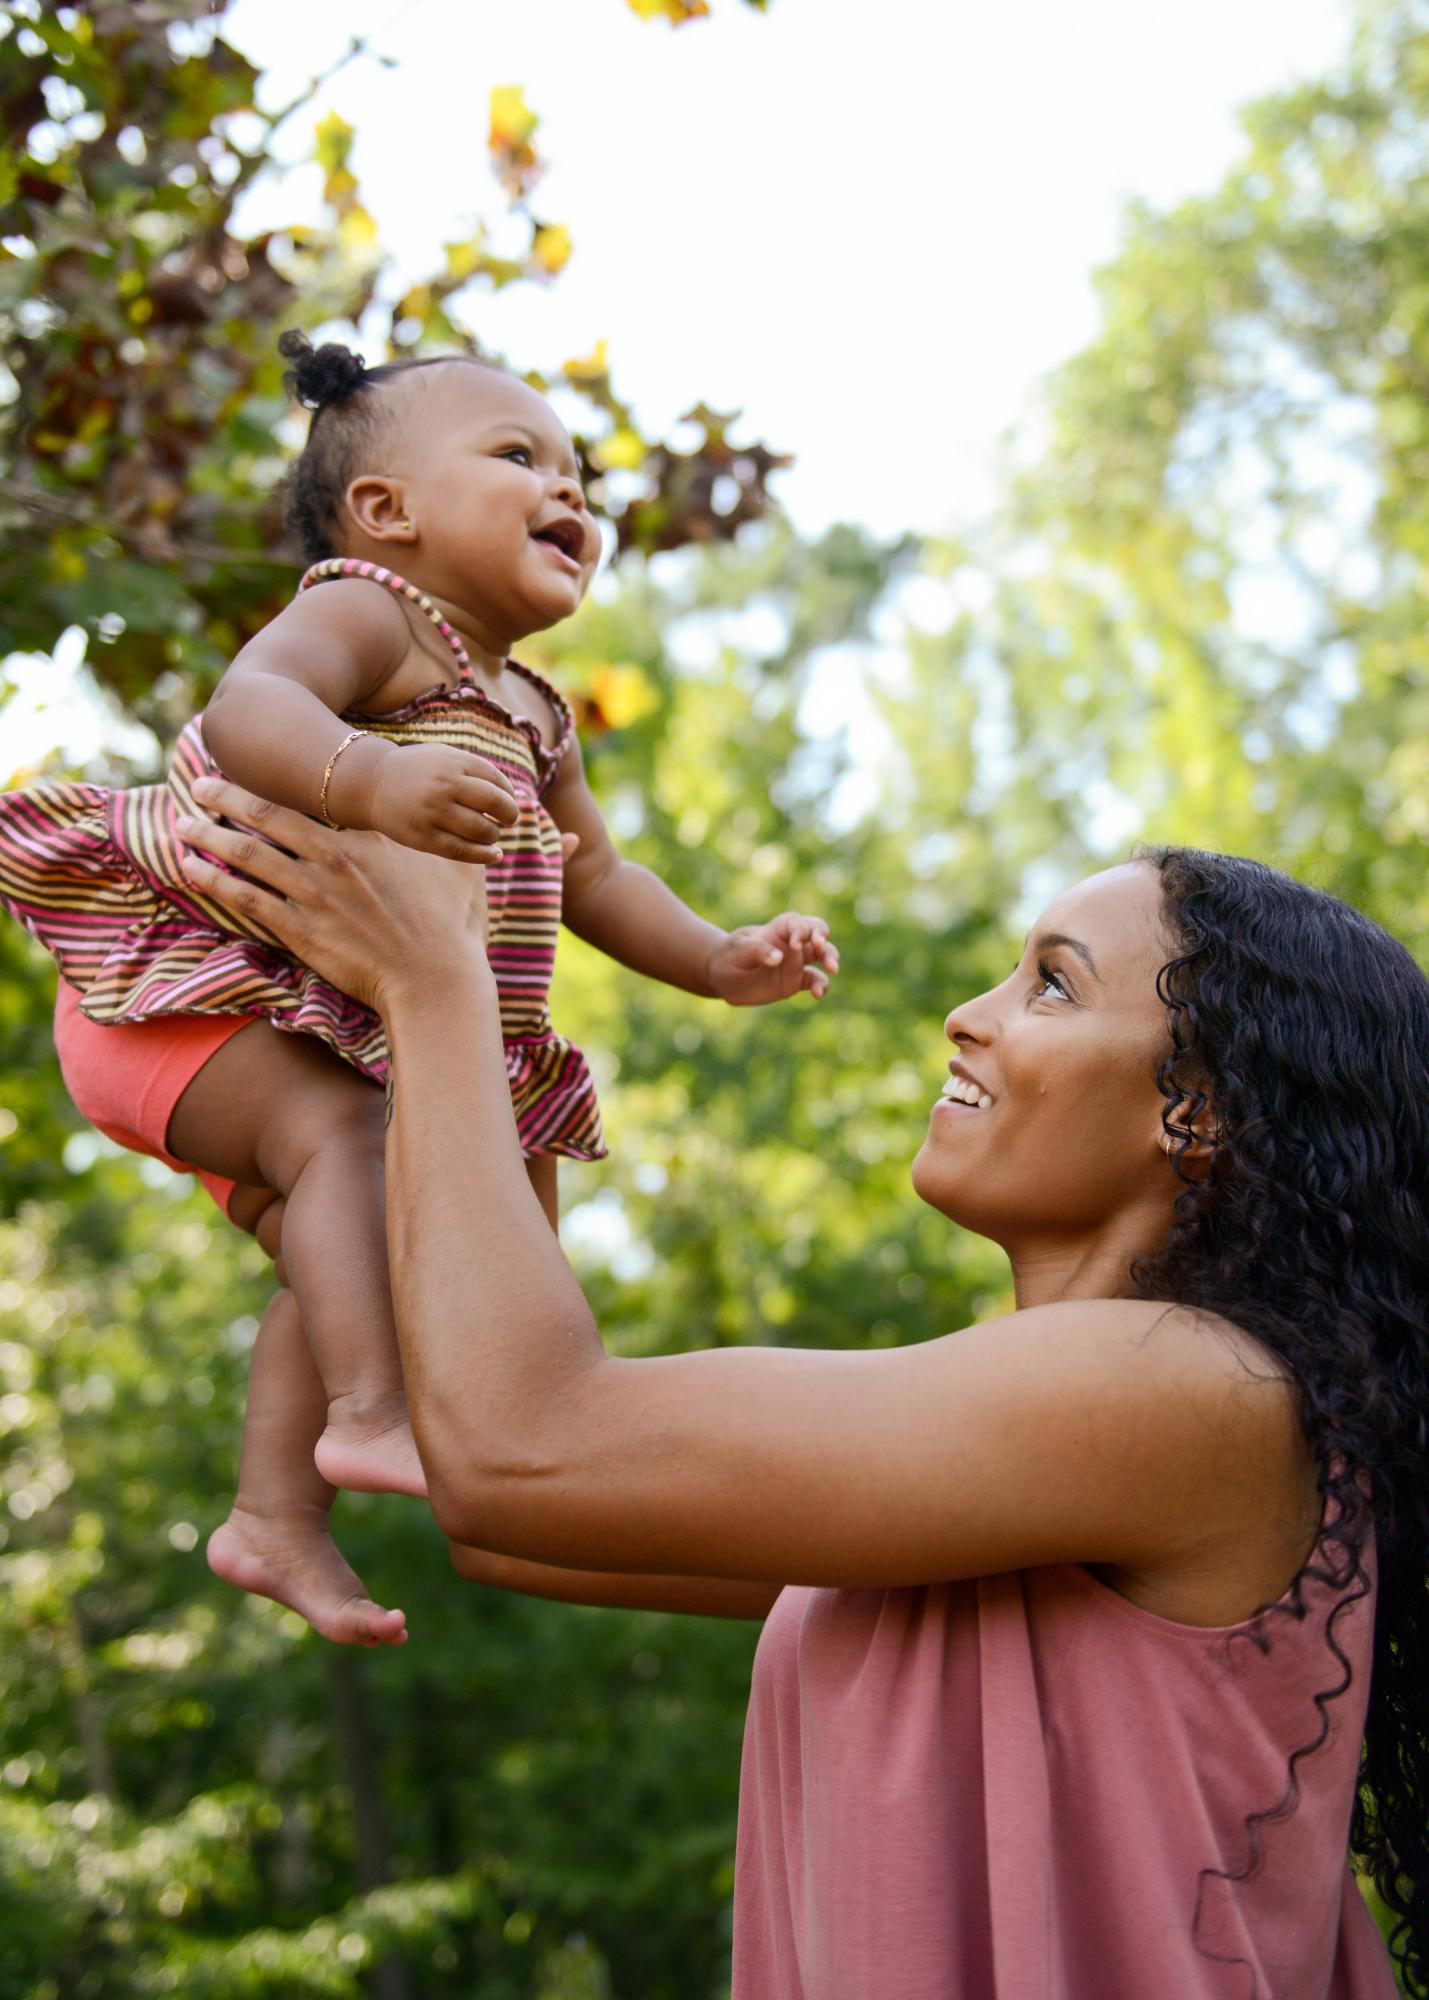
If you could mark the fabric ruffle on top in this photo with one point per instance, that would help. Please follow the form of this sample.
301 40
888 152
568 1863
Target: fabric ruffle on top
95 876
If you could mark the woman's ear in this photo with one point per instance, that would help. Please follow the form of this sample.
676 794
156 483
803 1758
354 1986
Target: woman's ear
1192 1113
379 510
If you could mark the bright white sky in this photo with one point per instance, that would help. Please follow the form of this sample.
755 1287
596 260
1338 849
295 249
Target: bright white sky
870 224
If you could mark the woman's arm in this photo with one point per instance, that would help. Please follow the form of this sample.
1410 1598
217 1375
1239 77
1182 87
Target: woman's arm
694 1596
1109 1432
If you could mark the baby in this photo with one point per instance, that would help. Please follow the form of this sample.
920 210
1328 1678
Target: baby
388 701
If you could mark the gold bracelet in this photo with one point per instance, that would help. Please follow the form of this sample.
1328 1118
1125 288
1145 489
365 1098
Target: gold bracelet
351 737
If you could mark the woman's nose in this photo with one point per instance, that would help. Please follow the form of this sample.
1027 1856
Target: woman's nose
969 1021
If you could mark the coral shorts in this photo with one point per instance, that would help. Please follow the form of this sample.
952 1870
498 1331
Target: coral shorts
126 1079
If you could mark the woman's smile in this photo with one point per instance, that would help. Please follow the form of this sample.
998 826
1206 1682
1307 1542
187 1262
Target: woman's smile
962 1092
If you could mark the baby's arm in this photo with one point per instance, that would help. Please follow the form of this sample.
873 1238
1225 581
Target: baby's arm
274 723
631 915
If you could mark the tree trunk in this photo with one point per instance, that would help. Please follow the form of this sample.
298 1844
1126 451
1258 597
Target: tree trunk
88 1710
294 1870
391 1976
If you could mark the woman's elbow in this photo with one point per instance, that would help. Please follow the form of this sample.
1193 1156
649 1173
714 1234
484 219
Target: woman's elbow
505 1472
487 1503
456 1508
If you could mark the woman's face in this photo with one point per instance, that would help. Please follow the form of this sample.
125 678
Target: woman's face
1066 1139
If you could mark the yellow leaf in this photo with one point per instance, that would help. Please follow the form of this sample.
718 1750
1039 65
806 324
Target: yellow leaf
622 451
622 694
67 563
592 367
512 119
463 259
97 420
551 246
357 228
334 142
673 11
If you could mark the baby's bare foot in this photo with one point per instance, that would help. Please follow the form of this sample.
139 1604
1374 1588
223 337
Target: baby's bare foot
292 1559
368 1446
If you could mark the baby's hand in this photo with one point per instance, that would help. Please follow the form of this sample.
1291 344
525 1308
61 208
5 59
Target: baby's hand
763 962
443 801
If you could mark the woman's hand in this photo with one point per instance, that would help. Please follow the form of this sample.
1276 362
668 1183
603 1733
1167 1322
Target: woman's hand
362 911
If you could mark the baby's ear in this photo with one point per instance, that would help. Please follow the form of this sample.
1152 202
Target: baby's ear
377 507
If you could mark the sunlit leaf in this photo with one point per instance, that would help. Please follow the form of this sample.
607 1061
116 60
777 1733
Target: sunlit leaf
624 450
551 246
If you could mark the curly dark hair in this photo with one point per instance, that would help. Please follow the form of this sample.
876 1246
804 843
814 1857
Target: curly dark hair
1300 1029
340 390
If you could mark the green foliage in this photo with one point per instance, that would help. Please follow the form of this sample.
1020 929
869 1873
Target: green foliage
1200 616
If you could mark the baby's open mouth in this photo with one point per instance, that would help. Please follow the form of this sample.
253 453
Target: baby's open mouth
567 535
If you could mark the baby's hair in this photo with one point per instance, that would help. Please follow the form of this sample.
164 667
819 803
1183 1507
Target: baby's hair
337 386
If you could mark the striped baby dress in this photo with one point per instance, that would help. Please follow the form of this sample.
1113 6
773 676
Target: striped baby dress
95 876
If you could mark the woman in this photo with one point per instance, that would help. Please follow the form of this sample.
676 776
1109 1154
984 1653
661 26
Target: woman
1064 1697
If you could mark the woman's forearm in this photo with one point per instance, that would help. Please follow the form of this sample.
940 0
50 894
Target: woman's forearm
692 1596
491 1346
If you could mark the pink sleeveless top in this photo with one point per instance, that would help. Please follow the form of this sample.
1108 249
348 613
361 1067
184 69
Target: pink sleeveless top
1008 1789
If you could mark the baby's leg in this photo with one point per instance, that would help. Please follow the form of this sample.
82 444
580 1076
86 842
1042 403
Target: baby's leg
541 1171
276 1541
283 1112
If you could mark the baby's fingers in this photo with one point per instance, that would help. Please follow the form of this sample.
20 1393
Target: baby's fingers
452 847
476 771
467 824
818 947
477 796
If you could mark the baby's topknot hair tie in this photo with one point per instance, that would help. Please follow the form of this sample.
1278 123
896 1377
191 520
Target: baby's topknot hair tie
320 375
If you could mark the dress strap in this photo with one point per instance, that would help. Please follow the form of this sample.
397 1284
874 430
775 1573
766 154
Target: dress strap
374 573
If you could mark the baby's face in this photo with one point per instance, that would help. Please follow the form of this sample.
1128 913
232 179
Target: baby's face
492 487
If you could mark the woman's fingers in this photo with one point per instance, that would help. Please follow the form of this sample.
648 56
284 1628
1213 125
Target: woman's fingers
242 850
293 830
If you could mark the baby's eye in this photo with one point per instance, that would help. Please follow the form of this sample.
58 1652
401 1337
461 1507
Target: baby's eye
519 455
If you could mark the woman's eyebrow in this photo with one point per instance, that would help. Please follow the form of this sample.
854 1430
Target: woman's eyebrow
1049 940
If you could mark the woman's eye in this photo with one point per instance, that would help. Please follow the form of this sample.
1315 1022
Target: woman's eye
1049 979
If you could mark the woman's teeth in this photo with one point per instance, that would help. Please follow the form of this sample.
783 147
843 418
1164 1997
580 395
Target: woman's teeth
966 1093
